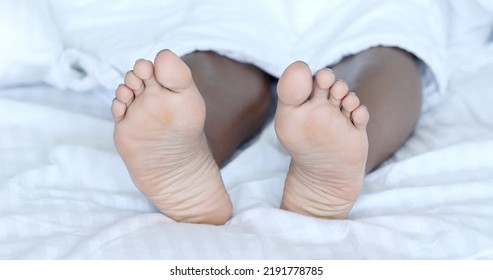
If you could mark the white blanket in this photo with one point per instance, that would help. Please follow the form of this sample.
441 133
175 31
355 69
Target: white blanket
64 192
270 34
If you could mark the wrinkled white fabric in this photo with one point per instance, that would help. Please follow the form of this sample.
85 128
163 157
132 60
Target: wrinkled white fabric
269 34
64 192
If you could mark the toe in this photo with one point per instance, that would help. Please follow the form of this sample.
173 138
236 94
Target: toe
295 85
118 110
337 92
124 94
171 72
144 70
360 117
134 83
323 81
349 104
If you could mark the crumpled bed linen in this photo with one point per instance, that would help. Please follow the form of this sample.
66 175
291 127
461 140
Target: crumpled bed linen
65 193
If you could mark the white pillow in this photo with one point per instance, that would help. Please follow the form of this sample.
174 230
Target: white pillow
30 42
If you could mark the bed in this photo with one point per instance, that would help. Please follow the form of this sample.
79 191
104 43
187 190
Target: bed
65 193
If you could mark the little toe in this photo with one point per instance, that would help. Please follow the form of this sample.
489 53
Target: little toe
349 104
134 83
295 85
144 70
360 117
324 79
337 92
124 94
118 110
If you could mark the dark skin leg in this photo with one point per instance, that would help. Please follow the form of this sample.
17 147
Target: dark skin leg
388 83
237 100
385 79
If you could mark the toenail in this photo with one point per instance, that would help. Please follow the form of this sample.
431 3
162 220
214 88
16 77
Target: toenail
138 60
164 50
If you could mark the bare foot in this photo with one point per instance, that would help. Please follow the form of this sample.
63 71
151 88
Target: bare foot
323 127
159 120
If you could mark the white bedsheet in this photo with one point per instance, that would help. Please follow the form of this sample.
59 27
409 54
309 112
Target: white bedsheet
65 193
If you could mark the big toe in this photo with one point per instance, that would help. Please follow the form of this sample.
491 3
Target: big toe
171 72
295 85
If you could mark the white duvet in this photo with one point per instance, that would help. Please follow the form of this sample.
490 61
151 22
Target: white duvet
64 192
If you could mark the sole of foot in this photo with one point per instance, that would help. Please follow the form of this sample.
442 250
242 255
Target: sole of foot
323 127
159 133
